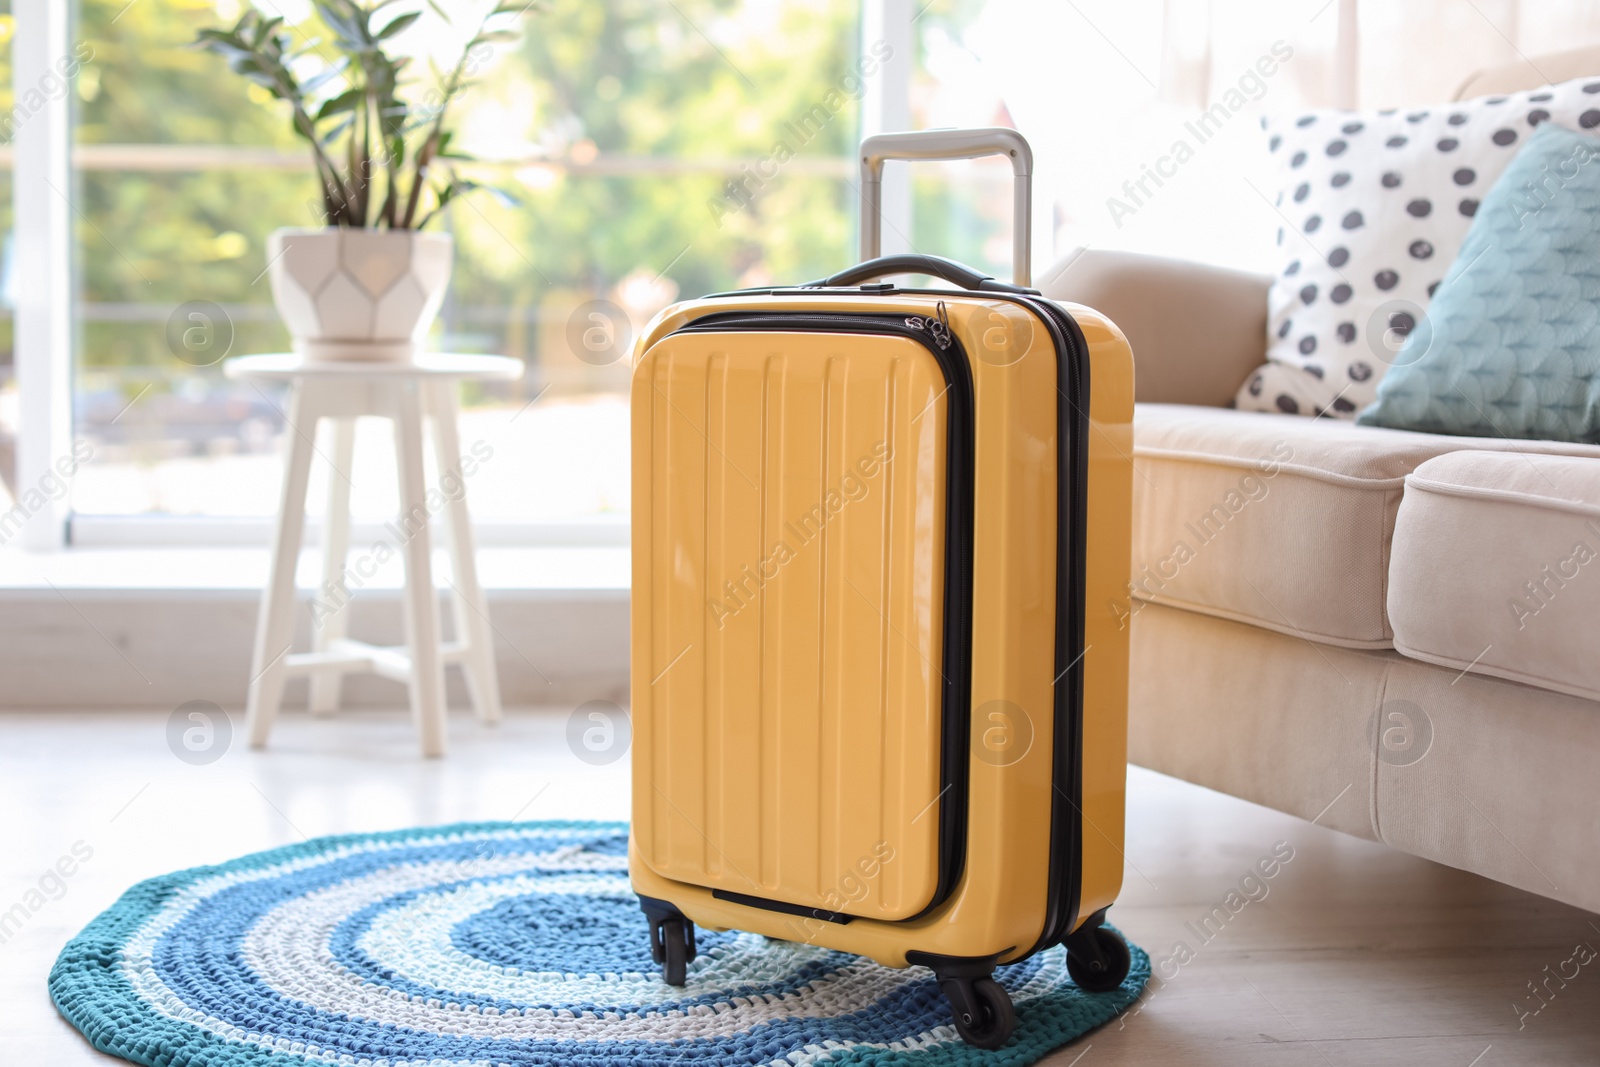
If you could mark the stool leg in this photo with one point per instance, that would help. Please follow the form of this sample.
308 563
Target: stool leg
421 599
330 626
275 624
472 628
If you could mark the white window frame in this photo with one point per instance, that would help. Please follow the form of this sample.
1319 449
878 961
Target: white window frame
41 184
886 108
42 168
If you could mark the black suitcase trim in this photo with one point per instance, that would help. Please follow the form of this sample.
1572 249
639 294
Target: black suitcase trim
786 908
956 655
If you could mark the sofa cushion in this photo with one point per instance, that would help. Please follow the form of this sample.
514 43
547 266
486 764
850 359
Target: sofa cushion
1372 209
1275 520
1511 343
1496 568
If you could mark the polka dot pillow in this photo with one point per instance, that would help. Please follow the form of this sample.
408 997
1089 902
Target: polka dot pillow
1373 209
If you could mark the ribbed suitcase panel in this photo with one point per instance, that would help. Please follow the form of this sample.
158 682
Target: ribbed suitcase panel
788 738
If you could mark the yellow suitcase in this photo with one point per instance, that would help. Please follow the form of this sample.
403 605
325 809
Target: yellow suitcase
879 656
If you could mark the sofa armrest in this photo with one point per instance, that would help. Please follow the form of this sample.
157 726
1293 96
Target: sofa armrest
1196 331
1515 77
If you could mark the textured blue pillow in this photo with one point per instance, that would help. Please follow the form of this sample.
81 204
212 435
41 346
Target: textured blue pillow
1510 345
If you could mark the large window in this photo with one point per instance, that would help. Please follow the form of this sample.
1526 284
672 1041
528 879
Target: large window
960 209
1102 89
619 127
658 150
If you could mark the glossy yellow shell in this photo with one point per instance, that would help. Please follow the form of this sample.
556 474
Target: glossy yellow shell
788 514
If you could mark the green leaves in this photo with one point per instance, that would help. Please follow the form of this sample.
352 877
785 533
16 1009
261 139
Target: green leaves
398 25
323 77
354 105
348 100
458 187
503 196
263 30
348 23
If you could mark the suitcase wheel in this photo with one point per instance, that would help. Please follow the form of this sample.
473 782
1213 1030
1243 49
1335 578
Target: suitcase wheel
672 946
981 1009
677 950
1097 959
671 939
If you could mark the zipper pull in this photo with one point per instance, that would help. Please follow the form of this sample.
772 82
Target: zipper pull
940 327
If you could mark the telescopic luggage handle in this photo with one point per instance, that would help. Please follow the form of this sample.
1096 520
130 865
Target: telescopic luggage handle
949 144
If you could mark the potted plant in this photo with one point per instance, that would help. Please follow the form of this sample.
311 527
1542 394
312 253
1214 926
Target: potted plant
368 283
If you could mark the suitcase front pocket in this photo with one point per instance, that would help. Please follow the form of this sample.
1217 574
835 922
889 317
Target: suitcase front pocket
802 503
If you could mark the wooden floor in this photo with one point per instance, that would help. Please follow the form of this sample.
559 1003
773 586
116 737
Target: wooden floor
1356 954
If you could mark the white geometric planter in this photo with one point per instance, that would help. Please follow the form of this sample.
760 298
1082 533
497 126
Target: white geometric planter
358 294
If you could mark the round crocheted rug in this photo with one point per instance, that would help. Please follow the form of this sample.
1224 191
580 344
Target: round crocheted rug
491 944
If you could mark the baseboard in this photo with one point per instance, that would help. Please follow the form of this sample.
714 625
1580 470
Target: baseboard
136 648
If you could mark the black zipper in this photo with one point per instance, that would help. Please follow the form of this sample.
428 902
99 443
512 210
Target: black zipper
956 698
1066 796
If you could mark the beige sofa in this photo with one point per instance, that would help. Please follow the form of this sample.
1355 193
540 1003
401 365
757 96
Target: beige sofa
1394 634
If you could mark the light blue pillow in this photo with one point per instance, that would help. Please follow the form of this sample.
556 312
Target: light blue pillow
1510 345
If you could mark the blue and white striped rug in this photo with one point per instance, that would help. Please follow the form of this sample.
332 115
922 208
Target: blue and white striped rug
496 943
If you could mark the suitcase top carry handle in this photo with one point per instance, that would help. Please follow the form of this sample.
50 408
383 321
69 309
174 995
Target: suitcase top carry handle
916 263
950 144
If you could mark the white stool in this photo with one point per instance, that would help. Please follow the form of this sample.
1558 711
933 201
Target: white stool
405 393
